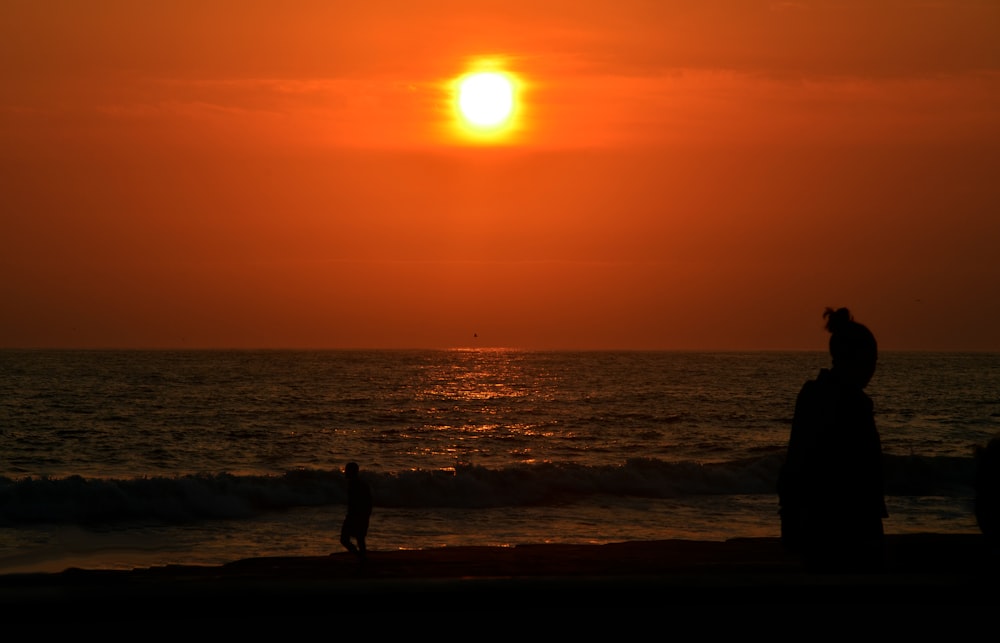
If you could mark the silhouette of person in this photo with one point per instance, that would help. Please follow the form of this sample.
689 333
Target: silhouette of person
830 487
987 490
359 511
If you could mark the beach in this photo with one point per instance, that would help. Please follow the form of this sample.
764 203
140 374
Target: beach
146 490
637 580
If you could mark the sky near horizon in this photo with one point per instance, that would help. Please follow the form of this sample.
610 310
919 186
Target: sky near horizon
678 175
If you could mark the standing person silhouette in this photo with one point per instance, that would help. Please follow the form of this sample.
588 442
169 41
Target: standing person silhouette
830 488
987 499
359 511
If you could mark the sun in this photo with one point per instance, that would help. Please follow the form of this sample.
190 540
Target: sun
486 98
486 101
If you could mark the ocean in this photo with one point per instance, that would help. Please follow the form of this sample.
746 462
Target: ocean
116 459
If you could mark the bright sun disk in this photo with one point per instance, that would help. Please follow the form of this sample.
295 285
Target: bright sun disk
486 99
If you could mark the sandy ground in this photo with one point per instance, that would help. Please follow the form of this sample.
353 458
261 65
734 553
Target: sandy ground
565 587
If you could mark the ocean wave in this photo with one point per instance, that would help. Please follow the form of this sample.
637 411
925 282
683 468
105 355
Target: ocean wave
223 496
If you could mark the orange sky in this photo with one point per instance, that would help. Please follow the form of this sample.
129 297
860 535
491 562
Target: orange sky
682 175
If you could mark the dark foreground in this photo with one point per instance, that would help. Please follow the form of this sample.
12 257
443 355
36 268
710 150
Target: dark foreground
928 576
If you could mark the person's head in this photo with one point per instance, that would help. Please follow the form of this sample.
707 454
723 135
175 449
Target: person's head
351 470
852 346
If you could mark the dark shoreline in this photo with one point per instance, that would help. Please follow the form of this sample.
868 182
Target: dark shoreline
631 577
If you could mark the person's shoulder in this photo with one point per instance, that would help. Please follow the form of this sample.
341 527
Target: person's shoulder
815 390
813 385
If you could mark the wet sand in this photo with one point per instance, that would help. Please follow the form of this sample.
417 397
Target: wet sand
639 581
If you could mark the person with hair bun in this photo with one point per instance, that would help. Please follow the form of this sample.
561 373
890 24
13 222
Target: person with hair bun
830 487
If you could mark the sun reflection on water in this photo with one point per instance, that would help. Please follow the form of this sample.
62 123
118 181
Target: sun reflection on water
466 399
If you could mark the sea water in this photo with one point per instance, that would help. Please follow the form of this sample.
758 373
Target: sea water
121 459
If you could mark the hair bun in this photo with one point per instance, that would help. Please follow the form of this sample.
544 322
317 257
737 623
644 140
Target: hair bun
837 320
